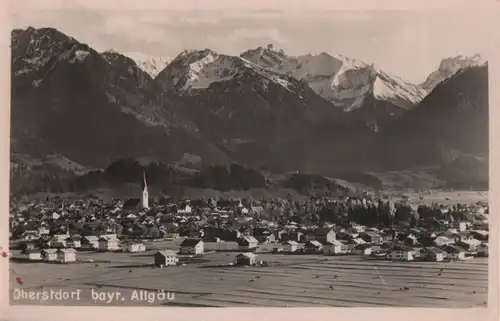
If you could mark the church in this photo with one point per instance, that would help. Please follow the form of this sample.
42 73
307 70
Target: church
139 203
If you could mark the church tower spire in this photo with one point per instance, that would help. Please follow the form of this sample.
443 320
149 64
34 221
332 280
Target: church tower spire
144 188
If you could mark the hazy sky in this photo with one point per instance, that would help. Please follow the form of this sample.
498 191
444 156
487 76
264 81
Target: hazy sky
409 43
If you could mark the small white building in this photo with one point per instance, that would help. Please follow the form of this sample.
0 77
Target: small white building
165 258
49 255
455 252
290 246
66 255
334 247
59 240
363 249
109 243
91 241
34 255
74 242
402 253
136 247
247 243
248 258
432 254
192 247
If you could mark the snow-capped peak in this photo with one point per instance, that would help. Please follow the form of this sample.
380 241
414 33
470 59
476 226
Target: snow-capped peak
152 65
343 81
197 69
391 87
450 66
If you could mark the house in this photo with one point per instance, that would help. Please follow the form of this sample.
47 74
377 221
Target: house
370 237
357 228
454 252
165 258
324 235
247 258
290 246
29 235
66 255
366 249
33 255
313 246
401 252
481 235
463 236
469 245
59 240
411 239
136 247
192 246
74 241
432 253
482 249
43 230
334 247
247 243
109 243
296 236
461 225
49 255
90 241
443 240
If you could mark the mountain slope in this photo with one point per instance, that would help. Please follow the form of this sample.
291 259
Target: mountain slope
453 117
240 104
68 99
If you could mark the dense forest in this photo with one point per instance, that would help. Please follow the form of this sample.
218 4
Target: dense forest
53 179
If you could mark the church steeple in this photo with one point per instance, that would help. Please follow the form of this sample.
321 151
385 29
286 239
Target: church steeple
144 188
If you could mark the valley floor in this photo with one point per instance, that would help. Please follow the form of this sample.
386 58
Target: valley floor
289 280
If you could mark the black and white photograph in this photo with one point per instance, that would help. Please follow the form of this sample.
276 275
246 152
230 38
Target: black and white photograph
251 157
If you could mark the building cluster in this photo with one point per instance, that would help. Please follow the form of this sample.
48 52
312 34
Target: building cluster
54 230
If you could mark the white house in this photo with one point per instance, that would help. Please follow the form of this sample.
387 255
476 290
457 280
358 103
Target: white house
165 258
455 252
43 230
247 243
59 240
136 247
66 255
34 255
363 249
248 258
403 253
469 244
334 247
109 243
49 255
74 242
290 246
91 241
433 254
192 246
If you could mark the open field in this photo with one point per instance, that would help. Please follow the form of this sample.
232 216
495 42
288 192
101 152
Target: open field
290 280
448 198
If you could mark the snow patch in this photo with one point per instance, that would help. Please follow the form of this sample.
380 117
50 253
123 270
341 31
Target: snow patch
79 56
37 83
382 90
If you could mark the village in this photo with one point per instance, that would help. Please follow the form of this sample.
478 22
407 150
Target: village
58 231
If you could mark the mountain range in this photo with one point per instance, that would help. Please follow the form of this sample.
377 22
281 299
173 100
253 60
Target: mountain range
323 113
